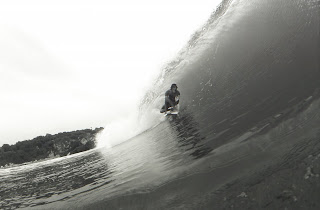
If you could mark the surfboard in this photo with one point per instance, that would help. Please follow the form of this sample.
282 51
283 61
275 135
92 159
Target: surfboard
171 113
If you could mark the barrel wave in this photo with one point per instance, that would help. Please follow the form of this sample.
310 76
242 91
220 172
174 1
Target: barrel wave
247 135
248 66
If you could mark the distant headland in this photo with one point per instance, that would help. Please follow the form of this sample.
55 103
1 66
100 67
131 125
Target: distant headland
48 146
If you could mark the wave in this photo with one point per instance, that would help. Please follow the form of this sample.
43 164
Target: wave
246 68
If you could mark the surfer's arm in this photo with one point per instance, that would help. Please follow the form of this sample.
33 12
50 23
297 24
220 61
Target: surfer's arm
177 98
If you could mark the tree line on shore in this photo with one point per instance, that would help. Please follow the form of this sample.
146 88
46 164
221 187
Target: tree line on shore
43 147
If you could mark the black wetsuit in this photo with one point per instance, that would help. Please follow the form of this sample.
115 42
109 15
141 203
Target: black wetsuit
174 98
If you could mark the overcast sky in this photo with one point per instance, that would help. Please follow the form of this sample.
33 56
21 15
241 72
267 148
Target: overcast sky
68 65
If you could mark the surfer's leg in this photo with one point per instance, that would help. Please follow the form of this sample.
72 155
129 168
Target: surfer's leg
163 109
167 105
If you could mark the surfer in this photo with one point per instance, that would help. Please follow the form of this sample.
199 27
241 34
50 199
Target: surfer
172 97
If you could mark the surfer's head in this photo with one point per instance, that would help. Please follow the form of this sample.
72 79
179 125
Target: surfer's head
174 87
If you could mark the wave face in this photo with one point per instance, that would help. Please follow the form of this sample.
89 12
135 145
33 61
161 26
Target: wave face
249 83
255 61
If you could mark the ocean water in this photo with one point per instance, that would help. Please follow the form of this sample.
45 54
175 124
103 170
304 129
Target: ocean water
249 83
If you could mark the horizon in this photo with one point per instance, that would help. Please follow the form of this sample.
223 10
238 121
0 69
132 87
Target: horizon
73 65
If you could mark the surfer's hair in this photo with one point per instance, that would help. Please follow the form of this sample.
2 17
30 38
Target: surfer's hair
174 85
